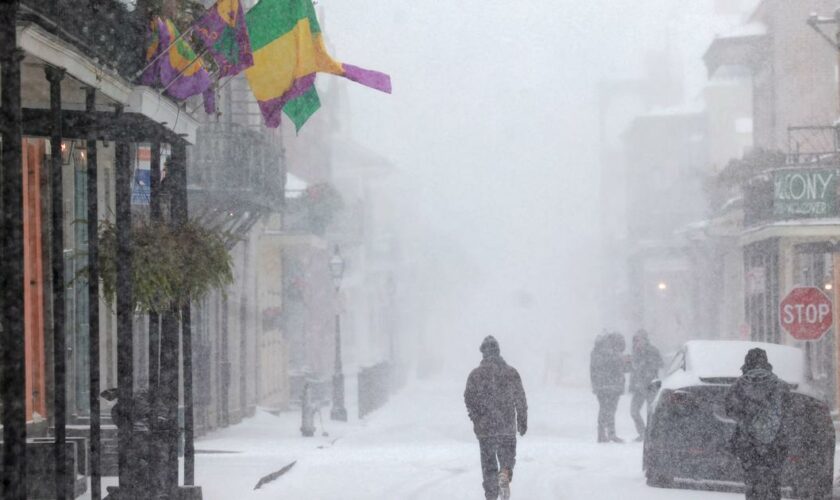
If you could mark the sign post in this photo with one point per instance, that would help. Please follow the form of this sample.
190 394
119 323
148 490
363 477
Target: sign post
806 313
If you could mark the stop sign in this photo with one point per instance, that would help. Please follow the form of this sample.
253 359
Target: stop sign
806 313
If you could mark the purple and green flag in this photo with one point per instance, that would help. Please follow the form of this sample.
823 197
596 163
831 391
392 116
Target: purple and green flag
178 70
225 35
288 50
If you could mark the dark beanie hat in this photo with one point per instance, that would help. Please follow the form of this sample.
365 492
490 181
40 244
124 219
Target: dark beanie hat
489 346
756 358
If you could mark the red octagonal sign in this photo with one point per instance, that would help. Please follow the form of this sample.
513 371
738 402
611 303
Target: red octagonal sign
806 313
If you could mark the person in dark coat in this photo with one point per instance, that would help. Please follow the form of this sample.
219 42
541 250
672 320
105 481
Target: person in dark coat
606 371
756 402
645 364
497 407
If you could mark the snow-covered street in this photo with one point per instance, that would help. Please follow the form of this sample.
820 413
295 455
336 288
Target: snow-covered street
420 446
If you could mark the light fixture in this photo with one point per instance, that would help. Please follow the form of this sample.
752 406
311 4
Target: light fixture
828 286
337 267
66 152
662 286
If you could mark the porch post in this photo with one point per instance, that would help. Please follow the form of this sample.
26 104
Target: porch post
93 306
180 214
55 76
125 317
12 357
154 317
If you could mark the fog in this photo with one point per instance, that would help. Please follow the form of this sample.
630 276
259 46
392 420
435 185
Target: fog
493 131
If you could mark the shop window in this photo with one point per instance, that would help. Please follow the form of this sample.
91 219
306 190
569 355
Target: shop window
761 262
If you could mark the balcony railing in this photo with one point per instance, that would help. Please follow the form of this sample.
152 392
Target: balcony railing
234 159
803 186
813 145
104 30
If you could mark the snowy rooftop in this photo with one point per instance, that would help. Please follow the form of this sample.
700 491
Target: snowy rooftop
753 28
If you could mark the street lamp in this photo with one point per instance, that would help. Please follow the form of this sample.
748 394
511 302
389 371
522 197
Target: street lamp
338 411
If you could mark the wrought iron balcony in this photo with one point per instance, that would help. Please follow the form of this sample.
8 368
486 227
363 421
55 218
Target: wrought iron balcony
235 174
104 30
804 186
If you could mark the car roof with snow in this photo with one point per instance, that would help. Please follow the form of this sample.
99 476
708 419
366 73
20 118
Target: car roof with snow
724 358
719 362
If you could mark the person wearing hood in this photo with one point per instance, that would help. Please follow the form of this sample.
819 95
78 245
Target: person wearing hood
645 364
756 402
606 372
497 407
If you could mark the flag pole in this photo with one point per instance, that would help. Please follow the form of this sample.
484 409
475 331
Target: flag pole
220 87
181 73
162 52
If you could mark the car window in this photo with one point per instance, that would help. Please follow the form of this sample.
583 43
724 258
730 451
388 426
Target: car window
677 362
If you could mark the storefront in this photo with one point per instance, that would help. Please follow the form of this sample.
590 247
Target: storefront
792 238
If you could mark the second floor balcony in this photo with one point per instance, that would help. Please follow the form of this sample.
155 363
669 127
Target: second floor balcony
802 187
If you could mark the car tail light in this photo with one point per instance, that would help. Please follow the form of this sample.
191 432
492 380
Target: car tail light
680 398
681 402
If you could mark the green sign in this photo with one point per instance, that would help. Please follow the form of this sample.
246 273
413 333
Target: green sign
805 193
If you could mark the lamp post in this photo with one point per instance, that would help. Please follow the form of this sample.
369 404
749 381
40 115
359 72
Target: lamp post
338 411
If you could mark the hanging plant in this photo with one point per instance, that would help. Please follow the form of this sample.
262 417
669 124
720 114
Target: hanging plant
170 265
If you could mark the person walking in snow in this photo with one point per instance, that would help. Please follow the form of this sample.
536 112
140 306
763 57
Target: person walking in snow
756 402
606 371
497 407
645 364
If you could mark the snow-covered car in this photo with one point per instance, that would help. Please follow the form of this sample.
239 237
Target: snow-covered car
689 432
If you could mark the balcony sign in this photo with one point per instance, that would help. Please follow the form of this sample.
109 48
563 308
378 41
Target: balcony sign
805 193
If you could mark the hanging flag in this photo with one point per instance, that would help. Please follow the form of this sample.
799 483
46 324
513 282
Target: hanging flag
224 33
179 71
288 50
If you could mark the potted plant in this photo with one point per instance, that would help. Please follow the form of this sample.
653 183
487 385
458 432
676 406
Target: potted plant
170 265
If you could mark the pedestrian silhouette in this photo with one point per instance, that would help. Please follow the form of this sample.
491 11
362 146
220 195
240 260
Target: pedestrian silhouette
756 401
497 406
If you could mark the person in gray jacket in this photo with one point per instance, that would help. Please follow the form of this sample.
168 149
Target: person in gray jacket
497 407
606 372
645 365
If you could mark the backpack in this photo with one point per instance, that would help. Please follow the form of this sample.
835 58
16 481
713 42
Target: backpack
767 421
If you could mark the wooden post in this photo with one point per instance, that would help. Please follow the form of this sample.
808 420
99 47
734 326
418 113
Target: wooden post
189 403
180 213
836 328
154 317
55 76
125 315
93 306
12 357
170 341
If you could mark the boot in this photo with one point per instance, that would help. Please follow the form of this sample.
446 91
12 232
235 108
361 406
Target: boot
602 434
504 484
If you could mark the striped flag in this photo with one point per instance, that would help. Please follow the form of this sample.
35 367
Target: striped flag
289 50
179 71
225 35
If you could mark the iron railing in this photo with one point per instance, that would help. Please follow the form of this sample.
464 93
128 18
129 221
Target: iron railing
104 30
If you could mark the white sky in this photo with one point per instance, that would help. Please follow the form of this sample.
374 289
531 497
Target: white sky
493 128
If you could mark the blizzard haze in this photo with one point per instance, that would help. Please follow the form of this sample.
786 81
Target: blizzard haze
493 130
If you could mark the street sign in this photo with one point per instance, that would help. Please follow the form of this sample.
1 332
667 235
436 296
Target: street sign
806 313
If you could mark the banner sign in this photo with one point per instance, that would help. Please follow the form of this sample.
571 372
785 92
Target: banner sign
805 193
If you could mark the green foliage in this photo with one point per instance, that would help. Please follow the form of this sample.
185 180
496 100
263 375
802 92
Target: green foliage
170 265
738 173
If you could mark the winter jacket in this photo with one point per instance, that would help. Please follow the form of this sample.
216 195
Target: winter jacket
757 393
645 367
495 399
606 369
